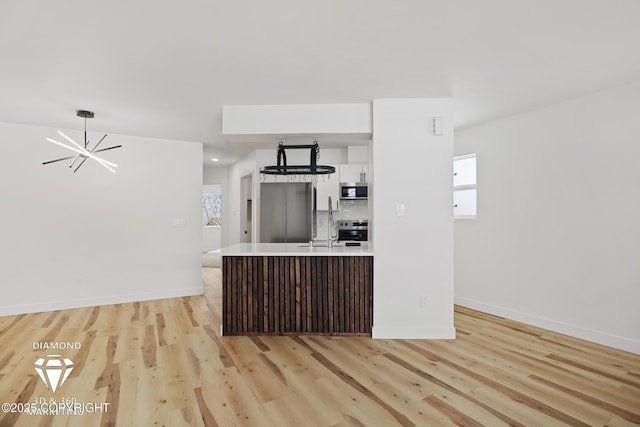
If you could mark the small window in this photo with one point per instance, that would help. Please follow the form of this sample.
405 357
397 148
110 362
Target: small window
464 186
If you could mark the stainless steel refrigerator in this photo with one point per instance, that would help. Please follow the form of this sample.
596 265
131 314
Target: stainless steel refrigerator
286 212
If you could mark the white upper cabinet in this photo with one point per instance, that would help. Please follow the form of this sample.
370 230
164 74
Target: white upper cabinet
351 173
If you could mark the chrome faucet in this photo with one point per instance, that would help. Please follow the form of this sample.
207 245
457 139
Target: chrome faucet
331 227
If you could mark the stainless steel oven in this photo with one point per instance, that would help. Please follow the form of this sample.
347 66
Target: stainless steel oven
353 230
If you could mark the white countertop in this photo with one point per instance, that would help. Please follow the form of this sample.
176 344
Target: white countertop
300 249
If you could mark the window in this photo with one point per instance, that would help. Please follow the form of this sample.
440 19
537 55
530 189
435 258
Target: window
464 186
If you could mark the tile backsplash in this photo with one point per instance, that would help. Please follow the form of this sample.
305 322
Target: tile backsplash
349 209
353 209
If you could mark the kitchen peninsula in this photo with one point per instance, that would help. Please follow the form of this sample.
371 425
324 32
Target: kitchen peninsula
294 288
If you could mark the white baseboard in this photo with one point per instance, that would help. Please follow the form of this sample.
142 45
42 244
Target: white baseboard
91 302
414 333
621 343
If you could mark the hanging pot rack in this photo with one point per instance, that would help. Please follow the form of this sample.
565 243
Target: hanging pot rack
281 167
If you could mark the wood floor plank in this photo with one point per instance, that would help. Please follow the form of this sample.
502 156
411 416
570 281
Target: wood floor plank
129 343
149 346
349 405
178 380
524 414
205 413
252 367
496 380
450 391
592 401
472 409
164 362
9 322
523 364
610 365
292 406
216 401
283 413
248 409
12 337
202 354
401 418
15 418
92 319
456 416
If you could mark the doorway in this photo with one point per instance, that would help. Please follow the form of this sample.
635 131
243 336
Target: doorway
246 208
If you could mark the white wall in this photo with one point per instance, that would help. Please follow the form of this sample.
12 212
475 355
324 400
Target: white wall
414 252
556 242
211 238
215 175
71 240
311 119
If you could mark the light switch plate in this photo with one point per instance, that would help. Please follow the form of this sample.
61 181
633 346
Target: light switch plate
179 222
438 126
399 209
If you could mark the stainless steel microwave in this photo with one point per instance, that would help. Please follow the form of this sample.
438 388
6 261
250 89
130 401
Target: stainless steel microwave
354 190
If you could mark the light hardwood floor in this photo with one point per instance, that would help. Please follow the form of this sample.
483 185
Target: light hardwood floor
163 363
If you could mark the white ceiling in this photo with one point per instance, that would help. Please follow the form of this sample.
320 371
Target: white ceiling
165 68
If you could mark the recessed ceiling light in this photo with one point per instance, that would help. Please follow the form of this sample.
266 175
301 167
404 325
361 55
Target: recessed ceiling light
215 159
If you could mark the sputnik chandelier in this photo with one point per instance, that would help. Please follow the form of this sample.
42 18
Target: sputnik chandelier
83 153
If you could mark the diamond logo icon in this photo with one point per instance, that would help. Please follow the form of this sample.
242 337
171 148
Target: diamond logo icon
53 370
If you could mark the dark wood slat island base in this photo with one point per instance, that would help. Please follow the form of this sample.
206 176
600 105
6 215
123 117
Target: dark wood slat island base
279 295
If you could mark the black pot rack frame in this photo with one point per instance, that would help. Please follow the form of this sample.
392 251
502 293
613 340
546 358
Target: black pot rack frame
281 168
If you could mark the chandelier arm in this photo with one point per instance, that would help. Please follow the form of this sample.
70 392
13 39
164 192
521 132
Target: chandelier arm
99 142
106 149
80 164
93 150
87 153
104 163
74 160
59 160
